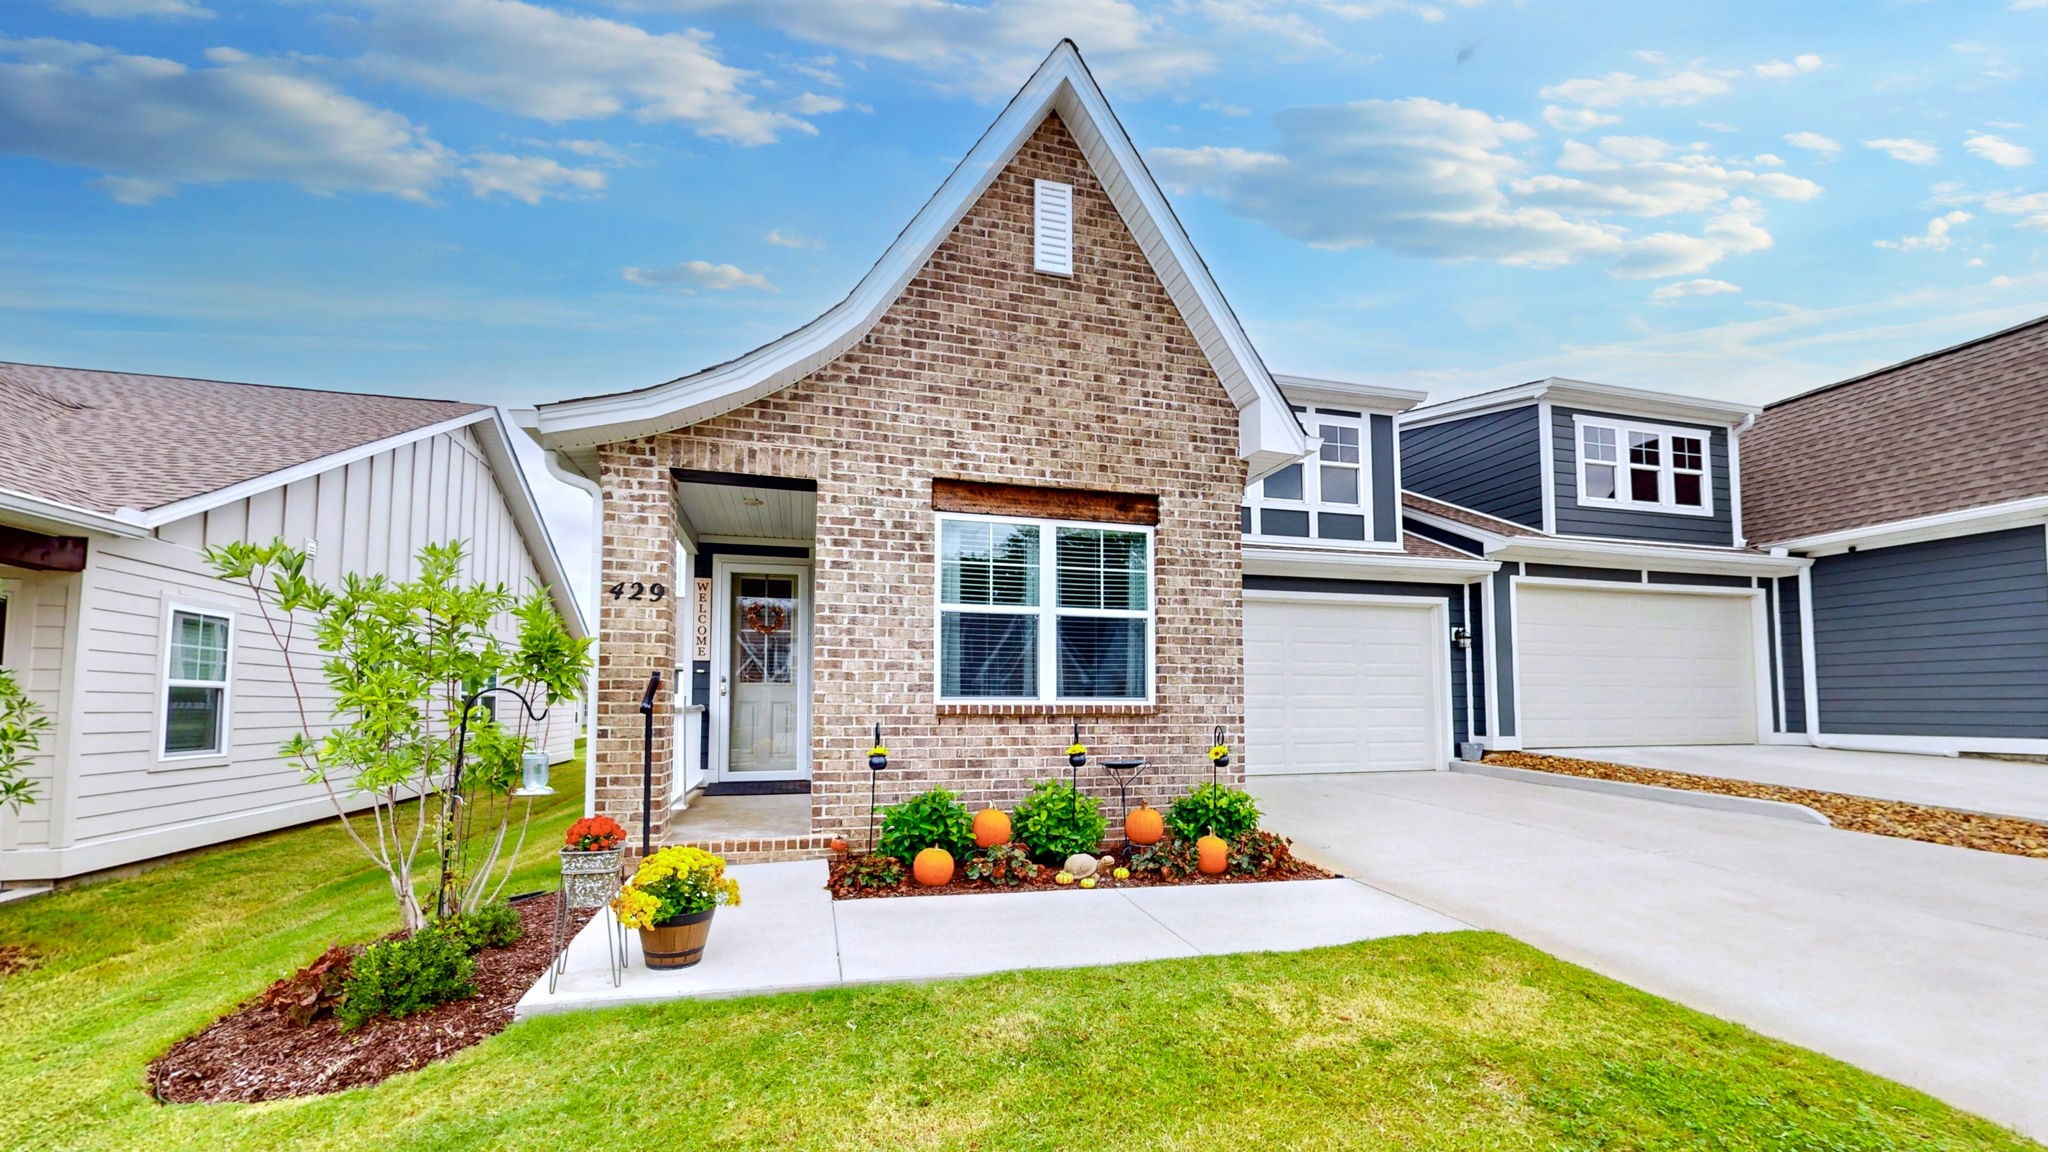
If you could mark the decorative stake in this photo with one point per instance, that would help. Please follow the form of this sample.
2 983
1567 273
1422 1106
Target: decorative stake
1219 755
878 759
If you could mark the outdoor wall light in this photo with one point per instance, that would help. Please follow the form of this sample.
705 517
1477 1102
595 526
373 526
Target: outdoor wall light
1460 636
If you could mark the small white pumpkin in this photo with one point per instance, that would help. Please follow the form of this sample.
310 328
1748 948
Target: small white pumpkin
1081 865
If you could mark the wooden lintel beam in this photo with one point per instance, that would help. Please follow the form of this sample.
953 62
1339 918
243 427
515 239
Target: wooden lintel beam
24 549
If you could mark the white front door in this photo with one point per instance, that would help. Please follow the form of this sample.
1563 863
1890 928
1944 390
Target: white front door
1635 665
1345 685
760 672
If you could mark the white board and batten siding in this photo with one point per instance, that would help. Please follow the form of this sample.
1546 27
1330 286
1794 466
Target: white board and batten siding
41 607
126 803
1338 684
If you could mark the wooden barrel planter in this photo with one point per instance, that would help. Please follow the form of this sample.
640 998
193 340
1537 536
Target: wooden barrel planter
676 943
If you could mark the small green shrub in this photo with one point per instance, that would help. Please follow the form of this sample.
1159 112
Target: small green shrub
1213 810
1057 821
1172 858
1259 853
1005 864
491 926
870 871
407 975
934 819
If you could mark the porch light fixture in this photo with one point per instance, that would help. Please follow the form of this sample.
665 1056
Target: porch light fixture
533 776
1461 636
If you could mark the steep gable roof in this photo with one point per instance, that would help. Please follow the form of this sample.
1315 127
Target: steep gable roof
1269 436
1948 431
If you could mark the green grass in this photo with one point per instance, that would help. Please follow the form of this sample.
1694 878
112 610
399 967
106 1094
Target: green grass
1464 1041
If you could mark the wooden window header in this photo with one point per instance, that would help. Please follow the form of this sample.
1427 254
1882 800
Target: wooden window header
989 499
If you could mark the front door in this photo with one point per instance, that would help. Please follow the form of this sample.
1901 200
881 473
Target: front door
761 673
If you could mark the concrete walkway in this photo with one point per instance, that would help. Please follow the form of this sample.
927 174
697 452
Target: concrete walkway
1922 963
789 934
1999 787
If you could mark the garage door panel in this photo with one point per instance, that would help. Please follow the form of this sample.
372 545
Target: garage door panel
1341 686
1608 668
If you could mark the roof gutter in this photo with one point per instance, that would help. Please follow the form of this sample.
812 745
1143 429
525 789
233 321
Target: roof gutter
1557 550
1962 522
52 517
1364 565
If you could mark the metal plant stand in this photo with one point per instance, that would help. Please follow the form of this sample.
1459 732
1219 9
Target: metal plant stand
589 880
1125 773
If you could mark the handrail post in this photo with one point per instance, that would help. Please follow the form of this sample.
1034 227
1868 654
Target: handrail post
647 763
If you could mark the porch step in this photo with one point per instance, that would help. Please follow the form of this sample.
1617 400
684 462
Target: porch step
763 849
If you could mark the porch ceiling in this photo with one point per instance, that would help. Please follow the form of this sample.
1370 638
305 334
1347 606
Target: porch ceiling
753 513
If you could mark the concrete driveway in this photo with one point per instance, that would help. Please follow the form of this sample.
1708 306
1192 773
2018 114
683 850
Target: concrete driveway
1925 964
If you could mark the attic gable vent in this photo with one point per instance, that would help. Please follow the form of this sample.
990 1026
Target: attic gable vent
1052 246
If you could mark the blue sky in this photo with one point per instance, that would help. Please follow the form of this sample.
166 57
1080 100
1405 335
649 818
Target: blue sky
510 202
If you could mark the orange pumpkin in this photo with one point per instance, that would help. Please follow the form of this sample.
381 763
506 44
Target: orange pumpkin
991 827
934 866
1212 855
1143 825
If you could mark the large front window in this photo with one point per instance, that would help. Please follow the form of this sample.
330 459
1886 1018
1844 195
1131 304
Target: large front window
1624 465
1041 610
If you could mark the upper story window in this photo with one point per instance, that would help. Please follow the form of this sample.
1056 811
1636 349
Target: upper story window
1623 464
1328 496
196 667
1043 611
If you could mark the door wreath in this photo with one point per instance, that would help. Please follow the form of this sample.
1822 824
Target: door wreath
767 619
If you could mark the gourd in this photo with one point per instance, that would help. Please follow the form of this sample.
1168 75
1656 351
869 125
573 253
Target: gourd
1144 825
933 867
991 827
1212 855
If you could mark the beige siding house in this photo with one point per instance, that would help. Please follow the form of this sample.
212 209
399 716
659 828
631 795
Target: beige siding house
168 697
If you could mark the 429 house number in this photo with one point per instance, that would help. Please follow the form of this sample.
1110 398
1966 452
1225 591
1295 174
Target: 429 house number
635 590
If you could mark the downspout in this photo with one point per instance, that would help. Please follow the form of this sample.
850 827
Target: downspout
1735 478
586 485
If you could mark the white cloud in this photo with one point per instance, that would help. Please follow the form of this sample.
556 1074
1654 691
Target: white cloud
1812 142
1436 180
1998 150
812 104
695 274
1935 239
2031 207
1576 119
1909 151
1779 69
780 240
1649 57
557 66
528 178
1686 288
130 9
1618 89
152 124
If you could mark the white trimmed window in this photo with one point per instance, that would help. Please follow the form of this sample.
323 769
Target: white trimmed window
1628 465
1326 497
197 664
1043 611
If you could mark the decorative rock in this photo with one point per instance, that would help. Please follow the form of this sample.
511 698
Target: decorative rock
1081 865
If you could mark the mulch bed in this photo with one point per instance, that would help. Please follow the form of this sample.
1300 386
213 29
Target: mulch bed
1295 868
2007 834
255 1053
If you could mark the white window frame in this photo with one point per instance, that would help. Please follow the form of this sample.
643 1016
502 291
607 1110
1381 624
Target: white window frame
1666 466
1047 611
223 751
1311 500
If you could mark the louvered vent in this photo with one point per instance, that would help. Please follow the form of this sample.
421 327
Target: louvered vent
1052 248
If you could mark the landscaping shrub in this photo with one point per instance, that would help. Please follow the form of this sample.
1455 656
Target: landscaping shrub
1172 858
491 926
312 991
399 977
1057 821
1258 852
1213 810
934 819
868 872
1006 864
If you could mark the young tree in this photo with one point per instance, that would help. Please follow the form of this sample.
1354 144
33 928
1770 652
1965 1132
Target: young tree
412 665
22 725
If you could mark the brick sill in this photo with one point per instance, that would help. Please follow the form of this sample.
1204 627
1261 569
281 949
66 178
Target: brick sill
1074 710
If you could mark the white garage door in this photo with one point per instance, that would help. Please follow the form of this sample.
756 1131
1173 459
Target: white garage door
1601 668
1343 686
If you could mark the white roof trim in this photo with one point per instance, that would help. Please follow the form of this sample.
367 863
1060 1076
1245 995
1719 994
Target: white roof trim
533 527
1940 525
1539 548
1586 394
1364 566
1269 437
56 518
1372 397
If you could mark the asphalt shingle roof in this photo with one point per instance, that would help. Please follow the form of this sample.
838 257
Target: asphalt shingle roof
111 440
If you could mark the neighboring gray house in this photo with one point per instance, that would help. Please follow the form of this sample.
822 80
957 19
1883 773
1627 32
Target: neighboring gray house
167 698
1920 494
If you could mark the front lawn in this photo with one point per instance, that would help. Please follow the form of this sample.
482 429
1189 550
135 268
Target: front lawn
1465 1041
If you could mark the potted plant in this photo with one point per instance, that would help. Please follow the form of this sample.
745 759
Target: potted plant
590 861
670 900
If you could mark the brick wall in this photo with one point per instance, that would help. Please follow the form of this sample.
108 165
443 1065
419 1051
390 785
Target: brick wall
982 370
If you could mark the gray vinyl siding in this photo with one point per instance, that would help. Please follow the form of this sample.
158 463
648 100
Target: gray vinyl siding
1475 601
1386 519
1791 654
1445 536
1945 638
1503 678
1492 463
1633 524
1702 579
1577 572
1452 594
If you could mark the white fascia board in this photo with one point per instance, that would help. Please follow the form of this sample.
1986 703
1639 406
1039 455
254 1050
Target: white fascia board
1963 522
1610 554
1365 566
1586 394
1062 84
1311 390
53 518
496 442
163 514
1499 400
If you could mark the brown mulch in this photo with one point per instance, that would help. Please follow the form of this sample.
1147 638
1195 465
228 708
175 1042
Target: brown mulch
255 1053
2007 834
1294 868
15 958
